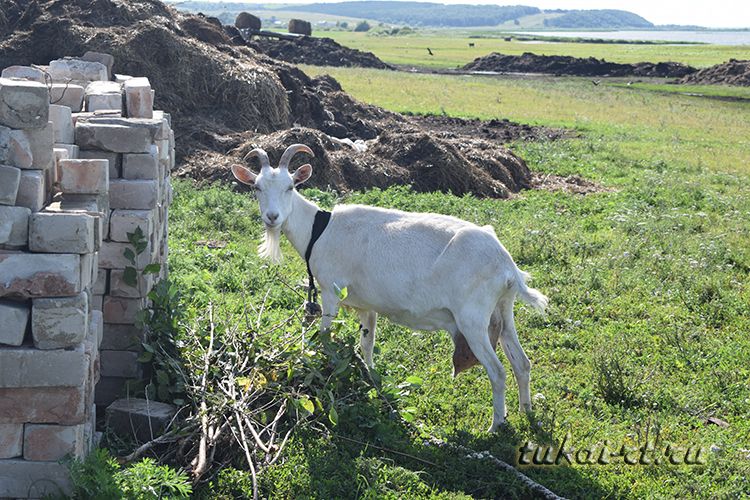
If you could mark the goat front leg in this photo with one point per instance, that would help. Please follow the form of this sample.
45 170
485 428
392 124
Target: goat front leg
330 309
367 322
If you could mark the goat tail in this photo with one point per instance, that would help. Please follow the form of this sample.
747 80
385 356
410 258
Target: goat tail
531 296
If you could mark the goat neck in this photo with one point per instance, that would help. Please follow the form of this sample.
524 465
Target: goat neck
298 226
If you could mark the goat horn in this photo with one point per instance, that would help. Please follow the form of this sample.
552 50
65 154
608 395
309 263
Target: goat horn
290 152
262 157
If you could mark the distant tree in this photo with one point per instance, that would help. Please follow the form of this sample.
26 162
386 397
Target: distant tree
343 25
362 26
516 22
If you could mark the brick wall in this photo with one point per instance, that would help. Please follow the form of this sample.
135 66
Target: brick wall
76 176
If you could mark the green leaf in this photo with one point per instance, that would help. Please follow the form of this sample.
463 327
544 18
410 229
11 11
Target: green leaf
333 416
152 269
414 380
162 377
145 357
342 293
307 405
128 253
130 276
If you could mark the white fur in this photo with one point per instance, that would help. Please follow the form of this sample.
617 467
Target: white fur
270 247
423 271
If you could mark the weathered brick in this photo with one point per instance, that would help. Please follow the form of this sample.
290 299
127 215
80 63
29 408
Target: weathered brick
89 207
120 364
67 94
137 194
139 418
41 141
122 222
96 323
25 72
64 405
29 367
10 178
58 323
89 265
112 256
122 337
103 95
61 232
141 165
23 104
100 285
76 69
26 479
118 287
72 149
121 310
14 317
27 275
113 134
106 59
11 440
50 443
139 99
32 190
114 159
62 124
84 176
15 149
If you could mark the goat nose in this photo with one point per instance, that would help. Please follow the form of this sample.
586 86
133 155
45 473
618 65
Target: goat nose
272 216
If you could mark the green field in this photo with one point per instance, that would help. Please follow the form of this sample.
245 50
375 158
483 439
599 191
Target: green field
451 49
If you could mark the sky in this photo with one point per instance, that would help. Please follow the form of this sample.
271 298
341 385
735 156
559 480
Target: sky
709 13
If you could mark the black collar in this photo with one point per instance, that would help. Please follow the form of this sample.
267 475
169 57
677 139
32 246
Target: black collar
319 225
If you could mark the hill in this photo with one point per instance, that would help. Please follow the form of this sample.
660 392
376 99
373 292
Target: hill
600 18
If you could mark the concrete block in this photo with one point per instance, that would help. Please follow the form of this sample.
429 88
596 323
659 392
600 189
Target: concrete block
62 232
32 192
27 479
100 285
89 263
122 337
89 207
84 176
15 149
141 165
103 96
64 405
10 177
114 159
59 323
14 317
23 104
120 364
27 275
139 100
139 418
60 154
111 134
11 440
97 302
72 149
50 443
67 94
42 143
96 323
118 287
77 69
133 194
62 124
29 367
123 221
106 59
121 310
25 72
112 256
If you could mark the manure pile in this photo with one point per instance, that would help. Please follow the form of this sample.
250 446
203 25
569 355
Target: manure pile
316 51
574 66
225 99
732 72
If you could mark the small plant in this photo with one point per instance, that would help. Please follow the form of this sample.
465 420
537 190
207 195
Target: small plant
362 26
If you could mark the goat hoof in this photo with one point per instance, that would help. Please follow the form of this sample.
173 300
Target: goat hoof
497 426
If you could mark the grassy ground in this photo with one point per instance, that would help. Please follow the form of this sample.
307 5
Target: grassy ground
645 338
452 50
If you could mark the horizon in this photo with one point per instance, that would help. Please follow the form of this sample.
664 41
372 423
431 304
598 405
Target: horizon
723 14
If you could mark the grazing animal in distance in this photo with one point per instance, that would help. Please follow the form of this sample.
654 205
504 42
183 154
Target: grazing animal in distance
471 44
421 270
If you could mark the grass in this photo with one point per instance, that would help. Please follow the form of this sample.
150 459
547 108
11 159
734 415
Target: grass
452 50
645 338
715 91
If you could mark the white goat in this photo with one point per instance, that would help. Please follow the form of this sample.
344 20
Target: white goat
423 271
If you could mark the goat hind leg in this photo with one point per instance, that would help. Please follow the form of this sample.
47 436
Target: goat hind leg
515 353
367 322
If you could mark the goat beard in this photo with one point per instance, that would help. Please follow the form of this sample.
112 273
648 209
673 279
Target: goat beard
270 248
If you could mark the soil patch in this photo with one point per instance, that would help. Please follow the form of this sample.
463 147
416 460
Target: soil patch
732 72
575 66
316 51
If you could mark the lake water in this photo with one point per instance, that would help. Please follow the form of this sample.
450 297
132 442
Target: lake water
716 37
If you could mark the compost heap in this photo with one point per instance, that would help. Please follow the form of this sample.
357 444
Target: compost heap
226 99
732 72
575 66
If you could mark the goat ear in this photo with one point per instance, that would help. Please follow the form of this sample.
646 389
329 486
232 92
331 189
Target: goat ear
243 174
302 174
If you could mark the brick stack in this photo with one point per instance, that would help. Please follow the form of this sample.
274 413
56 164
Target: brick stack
75 177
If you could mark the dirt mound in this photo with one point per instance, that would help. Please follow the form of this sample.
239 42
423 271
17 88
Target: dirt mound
576 66
317 51
224 98
732 72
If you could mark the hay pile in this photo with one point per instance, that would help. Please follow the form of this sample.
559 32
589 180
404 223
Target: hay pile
732 72
225 98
